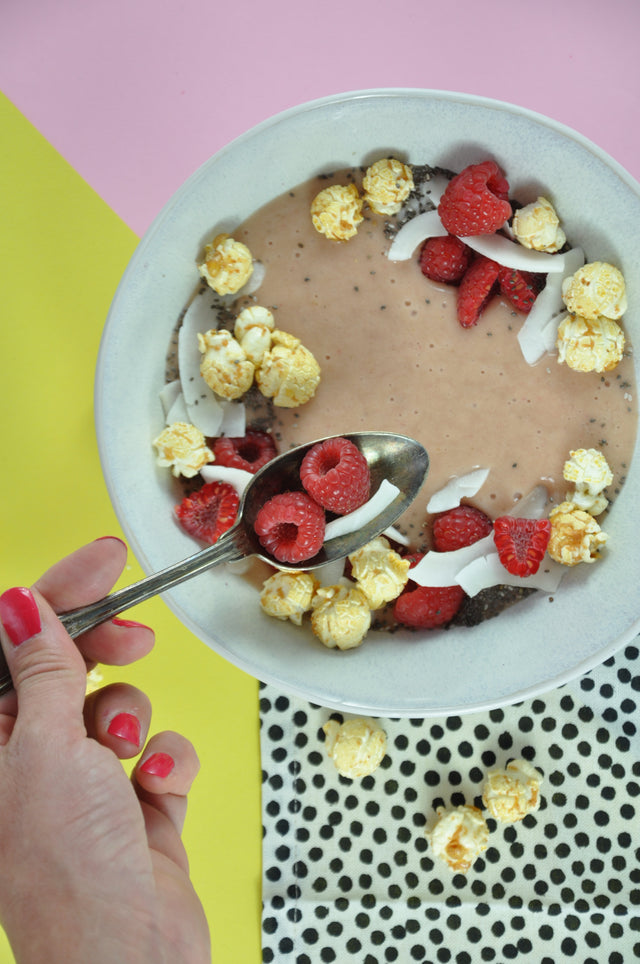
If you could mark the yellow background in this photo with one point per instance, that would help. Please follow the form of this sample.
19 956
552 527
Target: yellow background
62 252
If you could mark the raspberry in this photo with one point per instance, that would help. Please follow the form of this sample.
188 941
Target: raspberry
475 201
336 474
209 511
521 543
519 287
426 607
250 452
475 289
460 527
445 259
290 526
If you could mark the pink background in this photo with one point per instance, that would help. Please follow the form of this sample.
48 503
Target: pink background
136 94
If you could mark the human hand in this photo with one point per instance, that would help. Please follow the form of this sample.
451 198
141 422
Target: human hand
93 866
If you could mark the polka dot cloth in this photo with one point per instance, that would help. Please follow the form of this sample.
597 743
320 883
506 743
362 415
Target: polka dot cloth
347 871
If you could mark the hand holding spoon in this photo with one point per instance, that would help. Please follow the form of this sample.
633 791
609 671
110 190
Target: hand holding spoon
399 459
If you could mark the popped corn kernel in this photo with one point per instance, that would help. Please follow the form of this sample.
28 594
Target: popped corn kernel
595 289
537 226
182 447
340 616
225 366
387 184
575 535
288 595
458 836
336 211
227 264
590 345
252 330
288 372
510 794
590 473
356 747
95 679
379 571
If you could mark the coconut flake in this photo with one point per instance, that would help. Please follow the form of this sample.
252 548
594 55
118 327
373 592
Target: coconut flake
198 318
537 335
234 419
396 536
238 478
363 515
169 394
510 254
331 573
178 411
254 282
457 488
413 233
442 568
533 505
487 571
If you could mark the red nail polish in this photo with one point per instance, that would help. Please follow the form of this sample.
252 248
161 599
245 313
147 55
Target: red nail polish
158 765
128 623
19 614
125 726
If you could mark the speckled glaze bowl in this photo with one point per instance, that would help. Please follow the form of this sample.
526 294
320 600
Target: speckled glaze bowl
528 649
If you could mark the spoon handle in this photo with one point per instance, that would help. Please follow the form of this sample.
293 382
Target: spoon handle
229 548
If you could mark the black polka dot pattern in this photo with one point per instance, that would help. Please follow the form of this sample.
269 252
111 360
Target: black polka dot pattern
348 873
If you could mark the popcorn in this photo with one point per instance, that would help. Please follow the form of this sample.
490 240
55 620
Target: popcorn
227 264
458 836
386 184
356 747
288 595
252 330
225 366
589 471
95 679
379 572
336 212
537 226
575 535
182 447
512 793
288 372
590 345
341 616
595 289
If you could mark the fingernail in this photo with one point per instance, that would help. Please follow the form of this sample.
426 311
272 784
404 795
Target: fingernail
19 614
125 726
158 765
117 538
129 623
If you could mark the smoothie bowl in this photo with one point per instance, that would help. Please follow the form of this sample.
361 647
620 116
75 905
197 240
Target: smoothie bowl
490 400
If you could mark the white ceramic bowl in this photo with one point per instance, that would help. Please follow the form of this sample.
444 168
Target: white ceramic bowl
526 650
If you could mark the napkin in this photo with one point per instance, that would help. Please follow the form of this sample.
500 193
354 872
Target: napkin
348 873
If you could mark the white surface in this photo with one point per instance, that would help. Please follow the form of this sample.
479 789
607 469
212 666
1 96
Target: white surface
531 648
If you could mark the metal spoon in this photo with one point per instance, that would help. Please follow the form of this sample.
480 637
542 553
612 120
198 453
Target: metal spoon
400 459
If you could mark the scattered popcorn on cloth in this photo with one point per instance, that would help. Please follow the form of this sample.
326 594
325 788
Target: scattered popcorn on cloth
537 226
387 184
597 289
227 265
182 447
575 535
590 473
590 345
379 572
341 616
252 330
356 746
458 836
336 212
288 595
510 794
225 366
288 372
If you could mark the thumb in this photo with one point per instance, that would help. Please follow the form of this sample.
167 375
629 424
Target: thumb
45 664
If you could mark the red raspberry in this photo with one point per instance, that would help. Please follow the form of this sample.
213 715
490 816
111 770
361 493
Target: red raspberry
519 287
426 607
290 526
209 512
336 474
460 527
475 289
521 543
250 452
445 259
475 201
